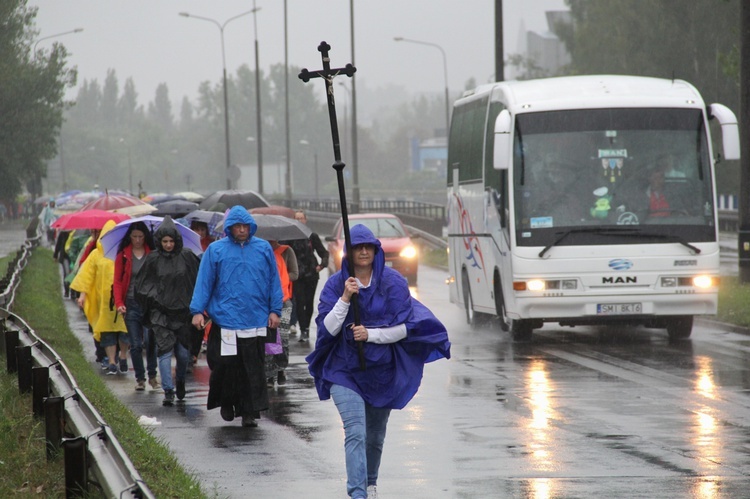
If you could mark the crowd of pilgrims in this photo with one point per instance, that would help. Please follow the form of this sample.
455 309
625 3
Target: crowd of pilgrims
138 306
158 299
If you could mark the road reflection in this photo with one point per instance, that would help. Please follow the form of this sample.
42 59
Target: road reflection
706 438
539 388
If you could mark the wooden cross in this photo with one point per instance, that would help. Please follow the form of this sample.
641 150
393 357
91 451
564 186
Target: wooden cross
328 75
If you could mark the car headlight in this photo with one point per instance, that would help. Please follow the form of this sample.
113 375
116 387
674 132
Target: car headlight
408 252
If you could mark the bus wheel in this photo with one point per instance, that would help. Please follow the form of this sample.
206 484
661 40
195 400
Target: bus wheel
500 303
680 328
521 330
468 302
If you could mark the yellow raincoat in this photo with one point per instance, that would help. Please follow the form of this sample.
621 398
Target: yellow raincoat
95 278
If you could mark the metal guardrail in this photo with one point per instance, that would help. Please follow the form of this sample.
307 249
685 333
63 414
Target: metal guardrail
92 454
428 217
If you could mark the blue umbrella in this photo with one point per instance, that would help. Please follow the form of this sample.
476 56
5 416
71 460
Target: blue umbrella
111 240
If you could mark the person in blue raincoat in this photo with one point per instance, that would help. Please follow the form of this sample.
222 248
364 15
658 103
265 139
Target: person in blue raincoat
238 287
400 336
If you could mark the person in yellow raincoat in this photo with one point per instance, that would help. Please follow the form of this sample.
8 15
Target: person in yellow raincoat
94 283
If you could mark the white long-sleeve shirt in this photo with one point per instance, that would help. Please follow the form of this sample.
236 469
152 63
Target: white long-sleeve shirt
334 321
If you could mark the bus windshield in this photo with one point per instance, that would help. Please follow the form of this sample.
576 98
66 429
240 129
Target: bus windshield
644 170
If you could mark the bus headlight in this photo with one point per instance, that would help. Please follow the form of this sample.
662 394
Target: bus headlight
535 285
699 281
703 281
408 252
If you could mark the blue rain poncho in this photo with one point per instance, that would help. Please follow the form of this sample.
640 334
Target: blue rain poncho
238 283
394 370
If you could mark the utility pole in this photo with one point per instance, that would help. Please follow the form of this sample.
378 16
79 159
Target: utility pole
499 49
743 238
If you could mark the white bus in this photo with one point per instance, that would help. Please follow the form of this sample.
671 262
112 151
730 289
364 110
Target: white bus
585 200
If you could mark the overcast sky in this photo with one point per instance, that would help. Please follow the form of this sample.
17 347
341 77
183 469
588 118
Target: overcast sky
148 41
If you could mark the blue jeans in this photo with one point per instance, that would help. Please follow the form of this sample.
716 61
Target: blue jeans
140 336
182 354
364 434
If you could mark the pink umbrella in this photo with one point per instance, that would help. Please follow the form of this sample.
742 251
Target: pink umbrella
89 219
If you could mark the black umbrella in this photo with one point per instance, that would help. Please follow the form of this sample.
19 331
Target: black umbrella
176 208
277 228
247 199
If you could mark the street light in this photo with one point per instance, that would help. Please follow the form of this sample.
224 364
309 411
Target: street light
315 167
62 162
224 80
130 166
258 124
77 30
445 73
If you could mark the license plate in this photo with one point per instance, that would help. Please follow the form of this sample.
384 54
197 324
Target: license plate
619 308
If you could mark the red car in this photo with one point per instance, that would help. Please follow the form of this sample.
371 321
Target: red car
400 252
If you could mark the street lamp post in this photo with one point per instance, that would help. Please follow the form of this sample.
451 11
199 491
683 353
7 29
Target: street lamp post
62 162
224 81
288 184
445 74
258 124
77 30
130 166
315 167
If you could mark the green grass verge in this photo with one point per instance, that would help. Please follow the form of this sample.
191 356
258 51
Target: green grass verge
435 257
23 465
733 299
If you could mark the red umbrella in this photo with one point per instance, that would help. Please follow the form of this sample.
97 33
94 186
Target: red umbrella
89 219
112 202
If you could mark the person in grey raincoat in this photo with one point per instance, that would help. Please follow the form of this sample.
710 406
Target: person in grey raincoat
164 288
239 289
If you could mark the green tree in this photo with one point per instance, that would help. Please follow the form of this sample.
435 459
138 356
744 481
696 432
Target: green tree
32 87
696 41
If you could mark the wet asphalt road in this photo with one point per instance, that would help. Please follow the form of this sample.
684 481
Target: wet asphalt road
583 412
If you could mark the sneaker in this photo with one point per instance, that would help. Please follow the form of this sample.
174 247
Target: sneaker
180 389
304 336
123 365
372 492
140 385
227 413
153 383
270 381
168 398
292 330
111 370
249 422
105 363
281 378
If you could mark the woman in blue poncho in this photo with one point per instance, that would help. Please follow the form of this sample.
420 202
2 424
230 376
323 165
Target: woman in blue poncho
400 336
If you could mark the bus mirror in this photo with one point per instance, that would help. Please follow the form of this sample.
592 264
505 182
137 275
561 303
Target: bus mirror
502 145
730 135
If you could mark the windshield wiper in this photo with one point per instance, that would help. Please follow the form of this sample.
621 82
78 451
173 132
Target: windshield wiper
612 231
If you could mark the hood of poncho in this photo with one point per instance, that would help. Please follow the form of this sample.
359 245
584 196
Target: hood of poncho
168 228
239 215
360 234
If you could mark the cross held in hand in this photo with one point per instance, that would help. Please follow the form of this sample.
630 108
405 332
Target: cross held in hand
328 74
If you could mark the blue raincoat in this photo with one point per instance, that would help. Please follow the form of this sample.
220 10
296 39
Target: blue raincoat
238 283
394 370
